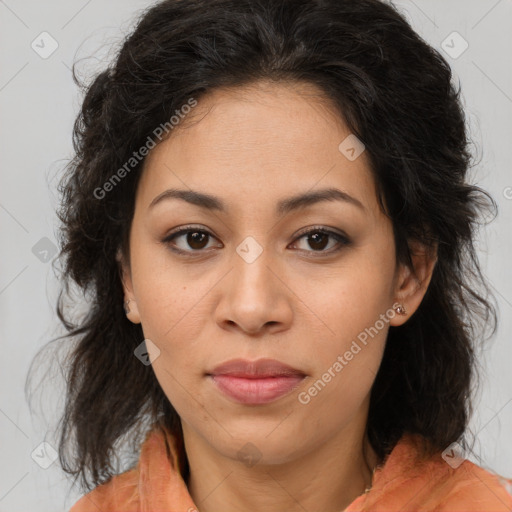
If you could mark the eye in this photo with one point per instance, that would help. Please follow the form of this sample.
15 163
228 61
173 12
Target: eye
318 238
191 239
188 239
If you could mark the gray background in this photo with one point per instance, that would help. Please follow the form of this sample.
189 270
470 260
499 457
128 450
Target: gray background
38 104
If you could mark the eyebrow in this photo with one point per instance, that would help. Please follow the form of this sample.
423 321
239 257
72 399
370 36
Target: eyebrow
284 206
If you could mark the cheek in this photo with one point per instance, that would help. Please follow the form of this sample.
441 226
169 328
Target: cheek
175 377
351 299
172 310
346 368
167 295
354 307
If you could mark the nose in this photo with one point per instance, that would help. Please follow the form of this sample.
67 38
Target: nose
255 296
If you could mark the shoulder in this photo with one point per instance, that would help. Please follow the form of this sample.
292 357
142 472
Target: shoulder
123 491
119 493
473 488
154 484
409 481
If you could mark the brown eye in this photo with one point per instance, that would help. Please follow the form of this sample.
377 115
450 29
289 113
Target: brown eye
188 240
322 241
318 241
197 239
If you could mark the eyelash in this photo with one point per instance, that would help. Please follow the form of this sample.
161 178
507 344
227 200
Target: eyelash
342 240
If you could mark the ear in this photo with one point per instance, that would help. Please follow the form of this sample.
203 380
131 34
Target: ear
130 304
412 283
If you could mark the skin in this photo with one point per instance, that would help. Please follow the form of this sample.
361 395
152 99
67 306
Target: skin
252 147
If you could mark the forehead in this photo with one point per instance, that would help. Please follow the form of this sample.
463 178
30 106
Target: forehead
258 142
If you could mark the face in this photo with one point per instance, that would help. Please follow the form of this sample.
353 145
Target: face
253 274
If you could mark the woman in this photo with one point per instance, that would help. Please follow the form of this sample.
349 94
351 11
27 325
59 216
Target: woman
269 212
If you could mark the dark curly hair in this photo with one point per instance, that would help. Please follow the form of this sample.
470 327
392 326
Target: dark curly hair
392 89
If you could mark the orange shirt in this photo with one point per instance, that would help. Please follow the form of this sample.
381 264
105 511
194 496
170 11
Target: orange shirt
402 483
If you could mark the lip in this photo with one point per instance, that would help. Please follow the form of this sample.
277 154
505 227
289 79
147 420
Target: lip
255 382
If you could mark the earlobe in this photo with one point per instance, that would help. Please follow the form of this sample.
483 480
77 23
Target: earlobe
132 311
413 283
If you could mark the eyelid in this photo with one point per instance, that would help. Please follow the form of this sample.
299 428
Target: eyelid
341 238
186 229
322 229
183 230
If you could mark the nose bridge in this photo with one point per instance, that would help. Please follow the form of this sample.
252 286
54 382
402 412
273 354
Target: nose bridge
251 274
254 296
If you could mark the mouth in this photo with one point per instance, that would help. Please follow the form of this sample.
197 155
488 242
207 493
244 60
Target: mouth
255 382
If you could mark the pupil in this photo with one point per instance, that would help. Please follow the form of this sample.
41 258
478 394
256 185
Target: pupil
317 241
195 238
316 244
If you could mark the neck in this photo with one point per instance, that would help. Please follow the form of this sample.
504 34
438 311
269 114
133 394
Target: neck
326 478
